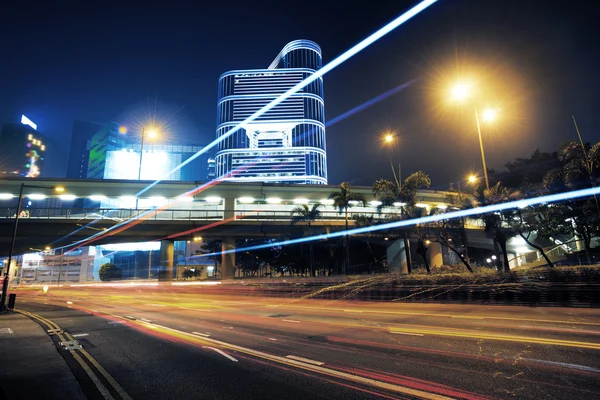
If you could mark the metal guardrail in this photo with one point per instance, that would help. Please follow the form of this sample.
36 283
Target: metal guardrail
119 215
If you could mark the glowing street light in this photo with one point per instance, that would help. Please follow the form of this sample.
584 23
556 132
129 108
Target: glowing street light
460 92
388 140
472 179
489 115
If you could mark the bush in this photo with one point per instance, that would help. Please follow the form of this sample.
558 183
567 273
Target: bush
109 272
192 272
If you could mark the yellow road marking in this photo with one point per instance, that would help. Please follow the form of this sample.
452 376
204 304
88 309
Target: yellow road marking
293 363
99 385
492 336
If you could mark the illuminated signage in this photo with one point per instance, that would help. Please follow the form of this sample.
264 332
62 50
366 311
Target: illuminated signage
123 164
27 121
139 246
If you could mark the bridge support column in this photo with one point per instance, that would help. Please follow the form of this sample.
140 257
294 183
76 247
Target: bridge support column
229 208
165 273
396 257
228 258
436 259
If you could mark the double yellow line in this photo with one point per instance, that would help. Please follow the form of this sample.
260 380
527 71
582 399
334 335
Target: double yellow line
77 355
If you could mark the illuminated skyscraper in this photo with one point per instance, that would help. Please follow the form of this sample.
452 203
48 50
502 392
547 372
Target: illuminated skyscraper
22 149
287 143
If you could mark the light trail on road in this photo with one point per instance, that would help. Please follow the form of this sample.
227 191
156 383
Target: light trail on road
449 357
553 198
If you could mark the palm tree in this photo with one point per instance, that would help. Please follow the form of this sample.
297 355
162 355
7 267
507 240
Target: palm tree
343 200
304 214
405 193
494 221
363 220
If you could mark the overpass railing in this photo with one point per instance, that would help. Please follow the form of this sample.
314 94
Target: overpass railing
211 214
171 215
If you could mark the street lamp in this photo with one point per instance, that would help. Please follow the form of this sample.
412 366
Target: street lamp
462 91
472 179
152 133
58 189
388 140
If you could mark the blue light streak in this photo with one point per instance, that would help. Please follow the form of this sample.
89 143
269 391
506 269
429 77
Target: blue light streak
428 219
369 103
318 74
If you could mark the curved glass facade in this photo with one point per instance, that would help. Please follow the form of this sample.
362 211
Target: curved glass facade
287 143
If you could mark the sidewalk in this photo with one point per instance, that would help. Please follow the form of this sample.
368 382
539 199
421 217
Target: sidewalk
30 365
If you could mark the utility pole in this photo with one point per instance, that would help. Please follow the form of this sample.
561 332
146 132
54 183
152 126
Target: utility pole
10 252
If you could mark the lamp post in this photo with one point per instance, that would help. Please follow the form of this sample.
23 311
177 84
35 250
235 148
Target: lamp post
152 133
388 139
59 189
461 92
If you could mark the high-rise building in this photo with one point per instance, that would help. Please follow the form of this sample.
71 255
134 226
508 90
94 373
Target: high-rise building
114 153
286 144
79 151
211 169
22 149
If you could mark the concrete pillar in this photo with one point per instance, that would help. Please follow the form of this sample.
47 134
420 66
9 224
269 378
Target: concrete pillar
228 259
513 260
579 244
434 253
165 272
396 257
229 208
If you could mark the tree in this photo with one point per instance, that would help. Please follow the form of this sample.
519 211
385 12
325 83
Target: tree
304 214
110 272
526 171
342 200
495 221
363 221
404 193
422 251
192 272
213 249
580 169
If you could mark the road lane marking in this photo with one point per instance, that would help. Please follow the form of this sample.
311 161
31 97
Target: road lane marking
6 331
306 360
291 320
299 364
272 338
89 372
69 302
561 364
194 309
493 336
201 334
156 305
221 352
407 333
80 334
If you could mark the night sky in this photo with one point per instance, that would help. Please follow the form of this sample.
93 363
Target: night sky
96 61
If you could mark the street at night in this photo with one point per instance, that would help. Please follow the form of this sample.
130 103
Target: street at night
198 342
279 200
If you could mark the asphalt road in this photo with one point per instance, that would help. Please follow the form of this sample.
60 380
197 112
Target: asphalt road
196 342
